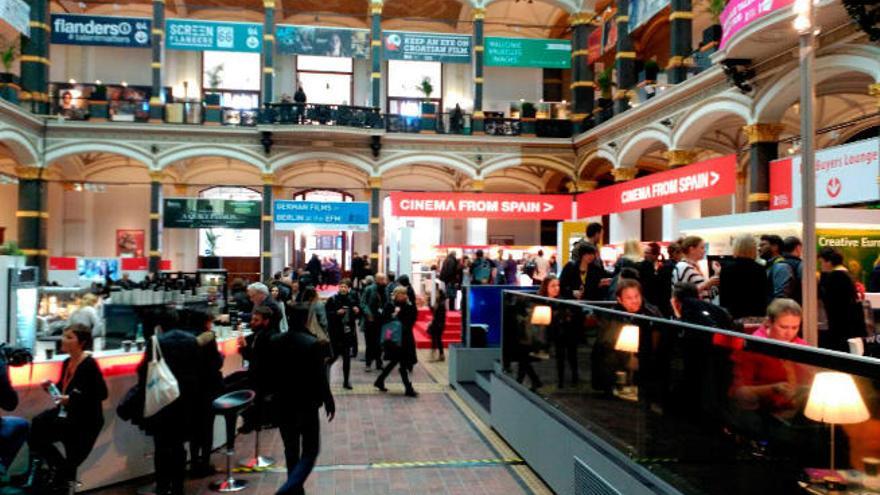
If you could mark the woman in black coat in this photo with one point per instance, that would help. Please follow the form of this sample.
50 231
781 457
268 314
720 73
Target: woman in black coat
343 311
846 318
743 281
400 309
210 386
580 278
78 418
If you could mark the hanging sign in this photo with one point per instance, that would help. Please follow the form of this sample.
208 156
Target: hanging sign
858 247
75 29
716 177
199 213
528 52
323 41
16 13
594 46
199 36
740 13
642 11
844 175
482 205
347 215
609 35
428 47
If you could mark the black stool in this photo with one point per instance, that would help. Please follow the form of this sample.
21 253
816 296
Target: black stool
230 406
258 461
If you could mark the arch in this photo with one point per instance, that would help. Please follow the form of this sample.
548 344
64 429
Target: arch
707 113
639 144
552 162
22 149
451 161
61 150
779 96
570 6
357 162
600 153
232 152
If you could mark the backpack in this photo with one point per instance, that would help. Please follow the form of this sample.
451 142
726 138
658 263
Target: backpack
482 271
392 334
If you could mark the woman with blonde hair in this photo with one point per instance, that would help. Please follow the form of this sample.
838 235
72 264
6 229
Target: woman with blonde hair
627 265
688 270
87 315
743 282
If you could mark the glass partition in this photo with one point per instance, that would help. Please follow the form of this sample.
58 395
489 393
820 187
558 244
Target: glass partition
709 411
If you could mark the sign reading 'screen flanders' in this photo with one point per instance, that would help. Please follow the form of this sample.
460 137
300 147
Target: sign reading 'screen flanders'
207 35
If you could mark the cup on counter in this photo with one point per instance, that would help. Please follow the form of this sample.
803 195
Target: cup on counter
872 466
140 344
126 345
50 353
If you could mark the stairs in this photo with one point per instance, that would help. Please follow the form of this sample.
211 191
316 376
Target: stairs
451 333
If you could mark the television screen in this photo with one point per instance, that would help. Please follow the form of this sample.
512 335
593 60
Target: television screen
97 269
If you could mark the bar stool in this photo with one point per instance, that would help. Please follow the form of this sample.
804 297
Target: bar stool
258 461
230 406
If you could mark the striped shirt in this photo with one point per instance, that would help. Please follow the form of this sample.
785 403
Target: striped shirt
688 272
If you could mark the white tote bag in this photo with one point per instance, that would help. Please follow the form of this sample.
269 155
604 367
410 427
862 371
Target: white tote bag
161 388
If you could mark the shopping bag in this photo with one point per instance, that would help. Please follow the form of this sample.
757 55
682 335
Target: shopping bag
161 388
392 333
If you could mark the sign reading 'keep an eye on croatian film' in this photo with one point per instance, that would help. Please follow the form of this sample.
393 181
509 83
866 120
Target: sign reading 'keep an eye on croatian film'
481 205
292 215
429 47
75 29
213 36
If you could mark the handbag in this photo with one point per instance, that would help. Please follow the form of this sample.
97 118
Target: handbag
314 327
392 333
161 388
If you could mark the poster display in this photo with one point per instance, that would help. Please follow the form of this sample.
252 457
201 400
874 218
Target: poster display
93 30
199 213
740 13
214 36
642 11
323 41
860 249
16 13
292 215
130 243
427 47
482 205
609 35
528 52
594 46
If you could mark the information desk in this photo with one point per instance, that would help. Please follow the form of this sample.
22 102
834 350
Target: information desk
122 451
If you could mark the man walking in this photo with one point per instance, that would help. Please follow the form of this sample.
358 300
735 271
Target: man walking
373 303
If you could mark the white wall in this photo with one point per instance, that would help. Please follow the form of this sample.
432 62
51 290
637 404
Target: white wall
183 66
458 86
363 89
524 232
503 85
87 64
625 226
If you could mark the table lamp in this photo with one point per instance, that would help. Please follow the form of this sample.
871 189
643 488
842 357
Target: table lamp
542 315
834 399
628 341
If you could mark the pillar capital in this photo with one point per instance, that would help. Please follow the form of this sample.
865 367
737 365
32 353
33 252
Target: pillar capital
479 14
582 186
763 133
680 158
180 189
156 175
375 182
268 179
477 185
624 173
582 18
268 4
874 90
28 173
277 191
376 7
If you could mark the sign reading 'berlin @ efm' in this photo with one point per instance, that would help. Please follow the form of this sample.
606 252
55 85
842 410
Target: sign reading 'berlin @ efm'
292 215
482 205
708 179
209 36
75 29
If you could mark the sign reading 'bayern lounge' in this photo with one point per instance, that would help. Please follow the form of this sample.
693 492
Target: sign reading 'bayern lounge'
715 177
481 205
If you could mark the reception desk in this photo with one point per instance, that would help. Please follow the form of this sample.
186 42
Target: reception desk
122 451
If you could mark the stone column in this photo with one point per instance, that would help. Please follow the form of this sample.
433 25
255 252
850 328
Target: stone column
35 61
155 260
268 49
628 224
680 158
583 88
376 51
156 98
763 148
33 217
625 60
680 46
266 238
479 51
375 220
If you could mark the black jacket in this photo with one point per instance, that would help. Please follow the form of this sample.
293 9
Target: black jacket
664 287
298 372
570 281
407 318
8 395
743 288
357 267
181 353
450 272
258 353
845 315
341 327
210 366
87 391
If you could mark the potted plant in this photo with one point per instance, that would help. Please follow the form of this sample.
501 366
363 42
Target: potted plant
426 88
712 34
606 103
528 110
211 241
214 79
649 71
8 80
10 248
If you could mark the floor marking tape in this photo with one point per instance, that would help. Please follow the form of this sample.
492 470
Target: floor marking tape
450 463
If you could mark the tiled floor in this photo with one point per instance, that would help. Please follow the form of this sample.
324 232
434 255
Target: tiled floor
390 444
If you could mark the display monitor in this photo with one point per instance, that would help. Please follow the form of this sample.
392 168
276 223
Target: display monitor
97 269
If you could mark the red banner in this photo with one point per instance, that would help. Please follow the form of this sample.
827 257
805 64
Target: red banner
715 177
135 264
594 46
481 205
59 263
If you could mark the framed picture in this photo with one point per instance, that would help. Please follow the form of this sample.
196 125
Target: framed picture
130 243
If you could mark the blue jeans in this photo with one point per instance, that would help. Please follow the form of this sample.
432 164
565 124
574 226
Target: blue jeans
301 435
13 434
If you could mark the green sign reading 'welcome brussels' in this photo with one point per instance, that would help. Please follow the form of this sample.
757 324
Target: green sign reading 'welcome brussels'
194 213
528 52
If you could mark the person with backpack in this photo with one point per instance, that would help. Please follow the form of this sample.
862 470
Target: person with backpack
398 341
780 276
482 270
792 251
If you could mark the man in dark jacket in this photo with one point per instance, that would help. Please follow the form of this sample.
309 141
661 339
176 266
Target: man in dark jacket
343 311
259 295
301 388
373 303
357 270
792 251
13 430
450 275
314 269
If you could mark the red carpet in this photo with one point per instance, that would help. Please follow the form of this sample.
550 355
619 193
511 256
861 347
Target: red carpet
452 332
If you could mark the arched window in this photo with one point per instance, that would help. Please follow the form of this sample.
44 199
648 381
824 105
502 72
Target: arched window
324 243
229 242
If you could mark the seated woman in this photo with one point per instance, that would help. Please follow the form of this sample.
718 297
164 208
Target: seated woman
78 417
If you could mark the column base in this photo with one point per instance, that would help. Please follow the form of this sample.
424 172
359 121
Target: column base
157 114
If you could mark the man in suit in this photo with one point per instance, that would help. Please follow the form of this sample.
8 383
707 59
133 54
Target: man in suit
301 389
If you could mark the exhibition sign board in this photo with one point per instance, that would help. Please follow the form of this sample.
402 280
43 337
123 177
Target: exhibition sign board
16 13
75 29
708 179
642 11
528 52
859 248
292 215
482 205
428 47
740 13
323 41
200 36
199 213
845 174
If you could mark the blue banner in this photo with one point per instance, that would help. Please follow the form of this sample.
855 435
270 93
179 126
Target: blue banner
323 41
292 215
75 29
213 36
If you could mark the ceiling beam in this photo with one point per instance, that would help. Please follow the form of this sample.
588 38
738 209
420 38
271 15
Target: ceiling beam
180 7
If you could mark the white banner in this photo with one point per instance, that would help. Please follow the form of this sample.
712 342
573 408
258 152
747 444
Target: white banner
17 14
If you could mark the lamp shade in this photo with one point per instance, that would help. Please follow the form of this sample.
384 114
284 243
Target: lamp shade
628 341
542 315
835 399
